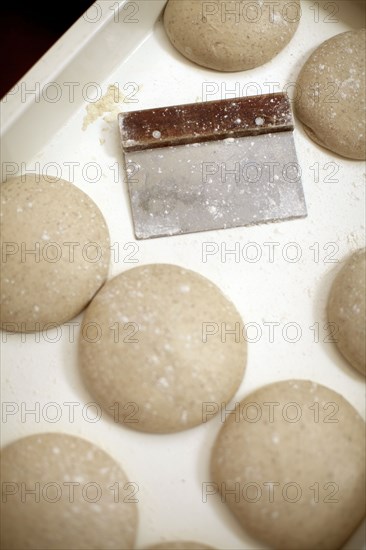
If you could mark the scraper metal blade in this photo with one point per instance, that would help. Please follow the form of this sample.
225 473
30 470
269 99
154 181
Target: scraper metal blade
214 165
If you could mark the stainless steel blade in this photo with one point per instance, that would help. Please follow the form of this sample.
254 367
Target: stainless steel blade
215 185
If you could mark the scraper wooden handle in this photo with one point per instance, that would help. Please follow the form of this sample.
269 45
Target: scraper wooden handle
208 121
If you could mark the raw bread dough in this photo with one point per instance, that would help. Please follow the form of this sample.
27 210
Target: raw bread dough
67 474
149 366
346 308
296 452
68 232
230 35
331 95
180 545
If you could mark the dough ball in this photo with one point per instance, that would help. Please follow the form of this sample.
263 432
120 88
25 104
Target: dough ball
143 350
346 308
70 242
180 545
230 35
72 504
294 454
331 95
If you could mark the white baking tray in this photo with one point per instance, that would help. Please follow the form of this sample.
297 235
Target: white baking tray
124 43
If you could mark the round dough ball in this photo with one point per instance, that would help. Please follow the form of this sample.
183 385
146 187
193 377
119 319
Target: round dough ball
70 242
294 454
230 35
331 95
143 352
180 545
72 504
346 308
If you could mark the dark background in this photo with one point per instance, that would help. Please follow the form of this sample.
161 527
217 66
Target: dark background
28 30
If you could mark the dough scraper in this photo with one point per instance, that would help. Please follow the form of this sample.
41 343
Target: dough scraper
212 165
